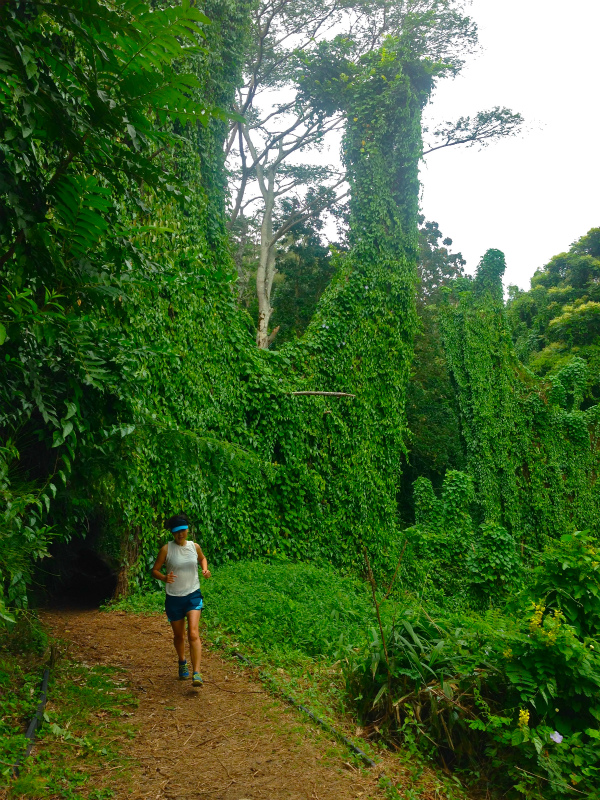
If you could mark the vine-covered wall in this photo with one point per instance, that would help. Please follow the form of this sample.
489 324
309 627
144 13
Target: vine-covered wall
217 431
532 451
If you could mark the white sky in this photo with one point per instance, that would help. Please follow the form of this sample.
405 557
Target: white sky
530 196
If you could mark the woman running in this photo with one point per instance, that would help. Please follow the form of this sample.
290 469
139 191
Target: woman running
183 597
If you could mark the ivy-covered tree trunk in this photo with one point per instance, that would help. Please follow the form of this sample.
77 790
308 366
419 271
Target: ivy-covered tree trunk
532 451
361 338
130 549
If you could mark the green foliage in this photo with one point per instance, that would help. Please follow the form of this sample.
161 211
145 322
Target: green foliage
569 580
90 97
289 608
488 280
438 266
530 448
494 562
306 267
558 318
510 700
325 472
432 412
162 390
454 559
19 688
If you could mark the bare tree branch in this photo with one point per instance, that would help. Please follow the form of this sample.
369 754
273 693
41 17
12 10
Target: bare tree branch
323 394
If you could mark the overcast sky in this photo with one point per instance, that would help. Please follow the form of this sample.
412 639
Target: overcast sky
530 196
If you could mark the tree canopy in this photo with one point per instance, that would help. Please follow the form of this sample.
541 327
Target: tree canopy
558 319
407 424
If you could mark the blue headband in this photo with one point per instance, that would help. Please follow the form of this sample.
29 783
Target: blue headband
180 528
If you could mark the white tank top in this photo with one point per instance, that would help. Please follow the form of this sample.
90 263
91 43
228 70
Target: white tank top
182 559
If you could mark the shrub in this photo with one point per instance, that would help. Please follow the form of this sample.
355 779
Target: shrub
465 564
513 695
569 579
298 608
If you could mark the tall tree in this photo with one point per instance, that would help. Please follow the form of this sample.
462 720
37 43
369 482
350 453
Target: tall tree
435 444
272 153
558 319
264 149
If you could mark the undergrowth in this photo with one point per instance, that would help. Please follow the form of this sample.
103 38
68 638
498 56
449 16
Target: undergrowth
301 625
294 620
86 716
291 610
506 698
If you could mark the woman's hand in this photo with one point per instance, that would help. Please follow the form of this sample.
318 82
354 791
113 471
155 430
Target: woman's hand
206 572
170 577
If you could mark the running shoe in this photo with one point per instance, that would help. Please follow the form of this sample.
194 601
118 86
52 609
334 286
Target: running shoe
197 679
184 671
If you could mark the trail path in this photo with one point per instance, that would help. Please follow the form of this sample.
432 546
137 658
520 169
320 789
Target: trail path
229 740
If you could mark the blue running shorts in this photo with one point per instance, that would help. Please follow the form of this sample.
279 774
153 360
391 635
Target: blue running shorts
177 607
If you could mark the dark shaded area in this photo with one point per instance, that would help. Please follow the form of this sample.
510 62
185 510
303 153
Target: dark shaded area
77 575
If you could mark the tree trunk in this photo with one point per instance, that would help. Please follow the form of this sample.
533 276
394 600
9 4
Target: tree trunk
266 268
130 546
243 277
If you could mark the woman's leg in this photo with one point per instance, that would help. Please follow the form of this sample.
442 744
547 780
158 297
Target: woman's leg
179 637
193 618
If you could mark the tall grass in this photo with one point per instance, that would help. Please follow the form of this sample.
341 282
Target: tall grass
298 610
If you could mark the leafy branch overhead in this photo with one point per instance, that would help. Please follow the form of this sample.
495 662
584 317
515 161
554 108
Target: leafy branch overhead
95 100
482 129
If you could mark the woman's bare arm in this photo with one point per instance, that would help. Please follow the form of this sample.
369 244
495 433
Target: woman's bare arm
203 561
158 565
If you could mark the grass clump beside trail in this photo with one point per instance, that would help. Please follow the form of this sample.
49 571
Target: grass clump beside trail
86 716
294 610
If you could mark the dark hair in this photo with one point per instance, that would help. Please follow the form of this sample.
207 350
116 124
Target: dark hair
176 521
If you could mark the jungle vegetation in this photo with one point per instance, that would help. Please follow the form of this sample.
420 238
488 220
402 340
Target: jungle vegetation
157 320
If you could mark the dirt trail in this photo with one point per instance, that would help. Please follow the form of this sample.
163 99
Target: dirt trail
229 740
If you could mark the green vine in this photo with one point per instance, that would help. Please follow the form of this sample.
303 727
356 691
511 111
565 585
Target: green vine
326 472
532 451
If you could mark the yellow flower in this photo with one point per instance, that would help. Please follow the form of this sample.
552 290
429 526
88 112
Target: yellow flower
538 614
523 718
